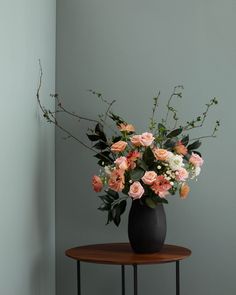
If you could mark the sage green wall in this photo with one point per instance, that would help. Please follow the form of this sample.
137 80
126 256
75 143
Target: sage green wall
27 247
129 50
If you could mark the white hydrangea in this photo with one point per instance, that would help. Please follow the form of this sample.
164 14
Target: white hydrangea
175 162
108 170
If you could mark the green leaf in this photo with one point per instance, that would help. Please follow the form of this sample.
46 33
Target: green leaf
100 145
174 133
150 202
106 199
136 174
185 140
109 217
195 145
170 143
117 211
93 137
113 194
100 133
148 156
104 207
142 165
117 138
104 157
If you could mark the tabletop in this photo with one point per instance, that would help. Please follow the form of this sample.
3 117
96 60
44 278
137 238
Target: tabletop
122 254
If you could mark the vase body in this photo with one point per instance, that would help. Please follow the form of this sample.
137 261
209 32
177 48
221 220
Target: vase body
146 227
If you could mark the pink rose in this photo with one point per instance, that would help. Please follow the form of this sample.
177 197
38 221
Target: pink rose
146 139
149 177
196 160
119 146
161 154
136 140
181 174
121 163
161 186
97 183
117 180
126 127
136 190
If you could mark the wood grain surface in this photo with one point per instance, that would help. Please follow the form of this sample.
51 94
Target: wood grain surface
122 254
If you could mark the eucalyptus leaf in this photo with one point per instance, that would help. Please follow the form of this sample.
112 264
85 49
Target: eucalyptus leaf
170 143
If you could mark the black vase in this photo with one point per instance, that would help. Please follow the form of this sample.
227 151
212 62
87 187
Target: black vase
146 227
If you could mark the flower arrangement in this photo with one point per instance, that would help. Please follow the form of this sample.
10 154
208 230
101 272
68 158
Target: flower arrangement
148 166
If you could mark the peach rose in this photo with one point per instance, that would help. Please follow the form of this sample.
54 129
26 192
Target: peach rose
121 163
184 191
119 146
136 190
97 183
126 127
161 185
161 154
149 177
146 139
136 140
181 174
180 148
117 180
196 160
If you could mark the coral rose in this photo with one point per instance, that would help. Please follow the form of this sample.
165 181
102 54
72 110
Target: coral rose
181 174
121 163
136 190
97 183
161 186
132 157
184 191
180 148
196 160
136 140
117 180
149 177
126 127
161 154
119 146
146 139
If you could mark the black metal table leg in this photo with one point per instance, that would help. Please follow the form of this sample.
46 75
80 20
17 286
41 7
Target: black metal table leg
78 278
135 279
177 279
123 279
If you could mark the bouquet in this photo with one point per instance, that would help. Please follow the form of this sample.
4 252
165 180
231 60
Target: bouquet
150 165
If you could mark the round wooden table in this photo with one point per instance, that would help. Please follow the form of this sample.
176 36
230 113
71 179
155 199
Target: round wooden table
122 254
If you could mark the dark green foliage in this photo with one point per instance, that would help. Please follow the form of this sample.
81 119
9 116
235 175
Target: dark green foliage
195 145
111 204
174 133
136 174
170 143
148 156
185 140
101 145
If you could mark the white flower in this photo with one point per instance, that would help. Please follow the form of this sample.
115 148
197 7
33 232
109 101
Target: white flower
195 172
175 162
108 170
